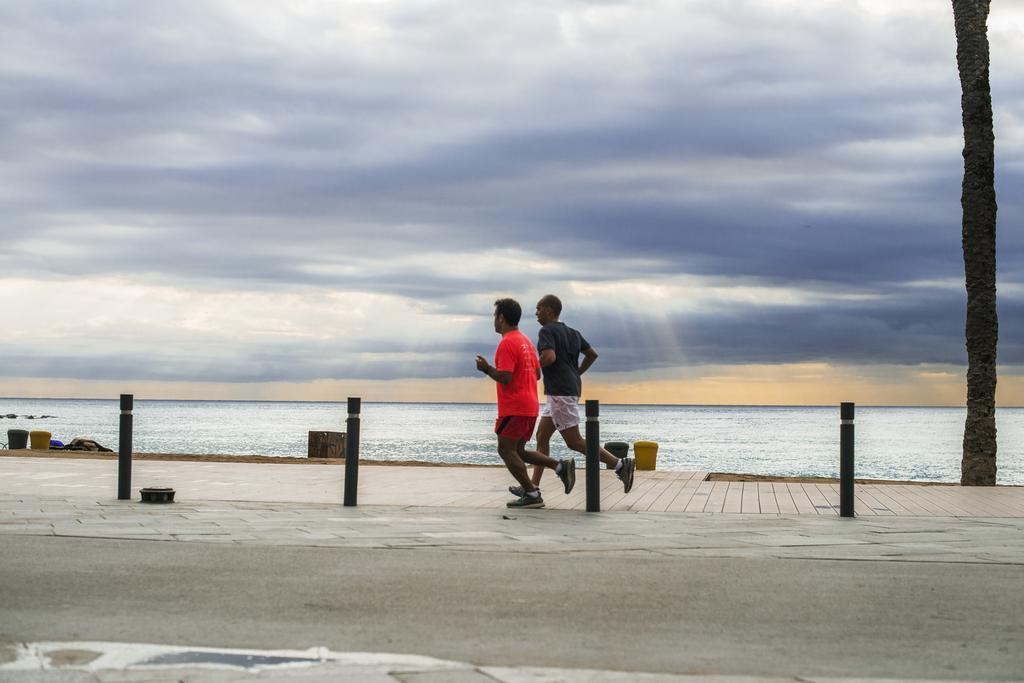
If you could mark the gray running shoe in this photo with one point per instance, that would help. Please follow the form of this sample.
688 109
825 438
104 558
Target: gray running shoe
517 491
568 473
626 473
526 502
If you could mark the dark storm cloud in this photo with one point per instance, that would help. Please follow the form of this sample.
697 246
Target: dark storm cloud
253 147
285 364
910 330
913 327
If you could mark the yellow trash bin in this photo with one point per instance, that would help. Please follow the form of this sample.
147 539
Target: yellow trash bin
39 440
646 453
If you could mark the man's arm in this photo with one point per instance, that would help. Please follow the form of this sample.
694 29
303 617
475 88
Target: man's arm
589 356
546 345
500 377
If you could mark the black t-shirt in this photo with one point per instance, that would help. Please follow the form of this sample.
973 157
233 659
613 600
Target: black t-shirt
562 378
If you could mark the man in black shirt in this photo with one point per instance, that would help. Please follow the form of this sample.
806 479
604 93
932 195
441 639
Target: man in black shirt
560 347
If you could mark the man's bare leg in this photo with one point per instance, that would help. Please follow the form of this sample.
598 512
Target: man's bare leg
575 441
544 431
536 458
509 450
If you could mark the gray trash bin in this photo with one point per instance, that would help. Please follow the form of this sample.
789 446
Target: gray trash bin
17 439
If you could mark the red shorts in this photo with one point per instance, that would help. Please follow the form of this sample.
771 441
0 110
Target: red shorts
515 427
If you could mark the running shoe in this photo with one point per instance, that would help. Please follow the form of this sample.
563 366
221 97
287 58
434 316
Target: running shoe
526 502
517 491
625 473
568 473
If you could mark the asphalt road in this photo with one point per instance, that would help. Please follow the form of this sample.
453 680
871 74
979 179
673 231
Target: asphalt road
608 610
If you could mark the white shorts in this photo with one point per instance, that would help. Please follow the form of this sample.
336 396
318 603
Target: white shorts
564 411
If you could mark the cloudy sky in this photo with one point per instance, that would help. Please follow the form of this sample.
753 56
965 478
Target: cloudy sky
739 201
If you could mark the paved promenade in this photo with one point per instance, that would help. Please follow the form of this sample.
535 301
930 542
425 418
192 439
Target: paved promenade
486 487
431 578
996 540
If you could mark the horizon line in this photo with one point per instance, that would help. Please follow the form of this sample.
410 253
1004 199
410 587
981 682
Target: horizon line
491 403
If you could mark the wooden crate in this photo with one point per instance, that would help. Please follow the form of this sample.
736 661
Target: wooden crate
326 445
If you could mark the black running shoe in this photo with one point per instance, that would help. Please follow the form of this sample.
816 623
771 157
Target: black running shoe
517 491
625 473
568 473
526 502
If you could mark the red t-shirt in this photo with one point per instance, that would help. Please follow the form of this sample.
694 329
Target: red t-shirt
516 354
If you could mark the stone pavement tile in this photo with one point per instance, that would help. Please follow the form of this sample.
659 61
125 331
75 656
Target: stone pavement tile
773 540
466 534
87 530
946 557
706 543
324 673
316 535
881 555
919 536
688 541
297 543
49 512
167 675
204 538
29 529
535 539
840 555
43 517
619 551
546 675
124 519
100 520
220 519
928 546
160 513
270 531
716 553
108 534
193 530
997 558
327 673
50 676
468 676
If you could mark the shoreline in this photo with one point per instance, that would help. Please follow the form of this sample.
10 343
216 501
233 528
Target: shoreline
285 460
214 457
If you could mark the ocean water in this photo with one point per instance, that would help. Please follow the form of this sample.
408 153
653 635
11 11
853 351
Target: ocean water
891 442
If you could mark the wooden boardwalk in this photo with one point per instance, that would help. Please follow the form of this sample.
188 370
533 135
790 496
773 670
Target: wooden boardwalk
689 492
487 487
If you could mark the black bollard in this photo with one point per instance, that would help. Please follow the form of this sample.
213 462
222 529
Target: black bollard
846 460
593 458
124 449
352 452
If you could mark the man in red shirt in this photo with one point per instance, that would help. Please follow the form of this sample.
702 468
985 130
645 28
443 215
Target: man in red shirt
516 371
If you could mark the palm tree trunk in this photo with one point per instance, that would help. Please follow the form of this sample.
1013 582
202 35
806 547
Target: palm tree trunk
978 200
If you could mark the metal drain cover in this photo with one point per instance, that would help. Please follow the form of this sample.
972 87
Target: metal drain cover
157 494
